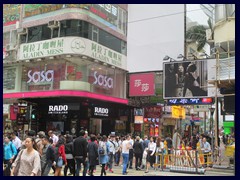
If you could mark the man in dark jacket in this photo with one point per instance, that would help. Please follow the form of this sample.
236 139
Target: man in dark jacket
47 157
138 151
80 153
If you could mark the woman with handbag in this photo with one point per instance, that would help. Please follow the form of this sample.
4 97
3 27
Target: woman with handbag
60 156
27 162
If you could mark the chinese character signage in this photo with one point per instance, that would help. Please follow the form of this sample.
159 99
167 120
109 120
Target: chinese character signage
187 101
72 45
189 79
151 112
142 84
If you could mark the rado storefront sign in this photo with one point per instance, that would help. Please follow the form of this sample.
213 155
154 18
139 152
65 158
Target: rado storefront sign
58 109
100 111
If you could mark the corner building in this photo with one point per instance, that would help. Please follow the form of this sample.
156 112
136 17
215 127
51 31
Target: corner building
67 64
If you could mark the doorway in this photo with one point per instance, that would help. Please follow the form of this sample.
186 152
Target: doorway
95 126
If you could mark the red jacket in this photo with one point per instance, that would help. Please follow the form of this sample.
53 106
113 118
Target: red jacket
61 152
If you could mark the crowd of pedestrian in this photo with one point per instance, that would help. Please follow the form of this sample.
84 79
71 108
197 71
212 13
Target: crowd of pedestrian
38 153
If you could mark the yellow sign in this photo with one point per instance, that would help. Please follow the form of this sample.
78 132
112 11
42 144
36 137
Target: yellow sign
178 112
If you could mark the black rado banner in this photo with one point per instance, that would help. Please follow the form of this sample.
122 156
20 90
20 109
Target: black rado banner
99 111
62 108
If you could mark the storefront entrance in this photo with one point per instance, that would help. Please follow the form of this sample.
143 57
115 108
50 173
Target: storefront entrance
95 126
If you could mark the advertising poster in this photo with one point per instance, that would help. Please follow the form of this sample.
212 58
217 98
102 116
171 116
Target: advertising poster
187 79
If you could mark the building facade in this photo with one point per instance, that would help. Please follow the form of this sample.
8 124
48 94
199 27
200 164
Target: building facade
65 67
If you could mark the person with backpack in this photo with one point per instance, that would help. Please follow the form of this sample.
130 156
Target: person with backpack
10 151
47 157
103 150
60 156
112 149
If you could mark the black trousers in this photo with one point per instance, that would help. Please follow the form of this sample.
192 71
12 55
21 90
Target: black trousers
8 165
138 160
130 158
71 166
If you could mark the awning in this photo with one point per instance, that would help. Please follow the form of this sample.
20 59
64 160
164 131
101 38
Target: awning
64 93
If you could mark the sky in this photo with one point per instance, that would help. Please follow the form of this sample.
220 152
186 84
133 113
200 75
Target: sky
196 14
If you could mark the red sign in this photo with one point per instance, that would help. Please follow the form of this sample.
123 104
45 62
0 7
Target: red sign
142 84
137 127
153 112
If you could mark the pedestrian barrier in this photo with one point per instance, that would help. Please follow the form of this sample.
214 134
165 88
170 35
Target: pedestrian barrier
185 160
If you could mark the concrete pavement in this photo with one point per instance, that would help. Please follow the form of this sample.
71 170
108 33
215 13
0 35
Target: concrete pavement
132 172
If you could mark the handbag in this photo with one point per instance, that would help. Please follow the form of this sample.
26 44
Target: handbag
17 167
60 162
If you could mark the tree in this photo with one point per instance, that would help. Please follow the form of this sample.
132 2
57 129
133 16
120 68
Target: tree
198 34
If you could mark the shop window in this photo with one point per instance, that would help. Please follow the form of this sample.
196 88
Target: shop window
9 78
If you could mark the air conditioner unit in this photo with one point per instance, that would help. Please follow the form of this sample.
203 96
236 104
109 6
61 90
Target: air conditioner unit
22 31
53 24
9 47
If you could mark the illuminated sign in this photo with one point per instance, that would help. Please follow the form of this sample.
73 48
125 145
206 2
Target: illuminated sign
98 111
58 109
190 101
40 76
103 80
138 119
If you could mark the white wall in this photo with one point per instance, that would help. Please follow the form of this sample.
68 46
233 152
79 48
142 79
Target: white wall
150 40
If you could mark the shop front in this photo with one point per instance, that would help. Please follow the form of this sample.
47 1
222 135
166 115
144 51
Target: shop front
152 116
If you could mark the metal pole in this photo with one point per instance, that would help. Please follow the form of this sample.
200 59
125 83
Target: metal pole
30 122
204 121
212 146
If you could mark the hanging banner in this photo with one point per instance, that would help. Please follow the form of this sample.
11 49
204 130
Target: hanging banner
178 112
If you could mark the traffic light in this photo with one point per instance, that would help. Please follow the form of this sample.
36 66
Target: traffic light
34 114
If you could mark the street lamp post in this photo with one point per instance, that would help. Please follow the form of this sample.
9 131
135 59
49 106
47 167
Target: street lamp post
211 109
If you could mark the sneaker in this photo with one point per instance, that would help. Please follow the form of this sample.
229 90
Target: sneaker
110 170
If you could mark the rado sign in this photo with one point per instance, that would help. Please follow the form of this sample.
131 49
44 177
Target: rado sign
104 81
58 109
40 76
98 111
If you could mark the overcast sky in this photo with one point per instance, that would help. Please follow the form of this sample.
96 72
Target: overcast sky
195 13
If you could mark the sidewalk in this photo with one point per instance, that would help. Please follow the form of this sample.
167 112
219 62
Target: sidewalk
132 172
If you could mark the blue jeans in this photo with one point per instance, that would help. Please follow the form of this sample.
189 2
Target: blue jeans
80 161
125 162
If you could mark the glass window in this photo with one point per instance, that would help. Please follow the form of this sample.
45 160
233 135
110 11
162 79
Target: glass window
95 33
109 41
34 34
46 32
46 75
9 78
6 38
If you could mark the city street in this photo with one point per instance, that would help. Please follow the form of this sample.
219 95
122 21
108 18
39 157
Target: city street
132 172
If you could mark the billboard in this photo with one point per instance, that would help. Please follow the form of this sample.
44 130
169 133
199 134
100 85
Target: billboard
142 84
189 79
